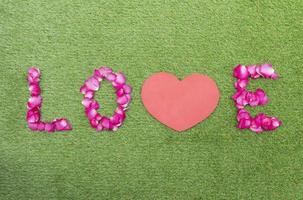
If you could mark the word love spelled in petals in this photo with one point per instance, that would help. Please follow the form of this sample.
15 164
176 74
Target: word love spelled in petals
123 93
34 104
242 97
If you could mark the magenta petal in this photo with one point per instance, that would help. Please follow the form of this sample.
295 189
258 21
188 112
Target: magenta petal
94 123
252 99
104 71
33 126
241 84
242 98
111 77
49 127
83 89
33 75
99 127
263 99
241 72
61 125
86 102
41 126
127 89
256 127
33 115
122 100
116 119
91 113
89 94
120 92
270 123
243 114
266 70
252 70
120 78
106 124
34 89
90 103
92 84
34 101
244 123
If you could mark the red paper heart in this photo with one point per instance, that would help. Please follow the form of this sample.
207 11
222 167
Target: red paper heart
180 104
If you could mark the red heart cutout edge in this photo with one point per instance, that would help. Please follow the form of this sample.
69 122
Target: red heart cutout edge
180 105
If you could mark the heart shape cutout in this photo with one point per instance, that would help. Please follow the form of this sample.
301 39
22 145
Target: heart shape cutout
180 105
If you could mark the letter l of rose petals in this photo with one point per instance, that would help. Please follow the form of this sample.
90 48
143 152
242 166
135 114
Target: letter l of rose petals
242 97
33 116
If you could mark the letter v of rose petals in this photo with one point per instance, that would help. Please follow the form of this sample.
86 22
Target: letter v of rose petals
34 104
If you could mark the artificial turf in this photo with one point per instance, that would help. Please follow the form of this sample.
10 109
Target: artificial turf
67 39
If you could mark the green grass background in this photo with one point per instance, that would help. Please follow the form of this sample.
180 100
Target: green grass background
67 39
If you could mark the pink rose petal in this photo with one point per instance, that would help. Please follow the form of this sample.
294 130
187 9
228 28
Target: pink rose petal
252 99
33 75
106 124
33 126
61 125
244 123
92 84
263 99
266 70
104 71
33 115
34 89
49 127
252 71
241 84
89 94
110 77
91 113
241 72
120 78
34 101
127 89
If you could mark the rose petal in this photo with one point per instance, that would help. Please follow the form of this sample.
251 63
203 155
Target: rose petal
241 84
34 89
92 84
243 114
89 94
61 125
91 113
40 126
120 78
33 115
33 126
49 127
263 99
122 100
241 72
34 101
106 124
104 71
110 77
244 123
252 99
33 75
127 89
252 71
266 70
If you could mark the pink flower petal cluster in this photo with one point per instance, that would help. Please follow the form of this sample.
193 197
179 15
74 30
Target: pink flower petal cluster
34 104
123 94
242 97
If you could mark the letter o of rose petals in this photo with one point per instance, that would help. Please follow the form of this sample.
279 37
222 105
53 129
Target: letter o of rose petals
123 94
